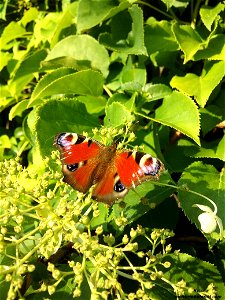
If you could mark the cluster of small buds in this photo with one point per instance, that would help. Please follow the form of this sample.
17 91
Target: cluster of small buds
121 221
210 292
109 239
138 231
180 288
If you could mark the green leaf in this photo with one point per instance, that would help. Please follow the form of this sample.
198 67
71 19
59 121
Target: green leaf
157 91
29 15
210 117
65 23
117 115
3 7
198 275
92 13
25 71
18 109
94 105
4 59
61 81
85 50
61 116
188 40
205 180
131 41
11 32
123 99
175 3
180 112
46 28
5 141
134 75
213 149
159 36
209 14
202 86
214 50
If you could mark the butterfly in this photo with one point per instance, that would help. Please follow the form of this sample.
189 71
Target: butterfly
87 162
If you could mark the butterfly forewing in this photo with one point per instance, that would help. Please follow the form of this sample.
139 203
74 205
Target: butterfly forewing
78 155
139 167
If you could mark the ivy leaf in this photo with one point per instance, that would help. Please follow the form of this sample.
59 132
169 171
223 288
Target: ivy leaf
180 112
202 86
65 81
84 51
131 42
61 116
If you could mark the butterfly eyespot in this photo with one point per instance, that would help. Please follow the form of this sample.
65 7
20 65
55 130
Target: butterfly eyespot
119 187
155 169
60 139
73 167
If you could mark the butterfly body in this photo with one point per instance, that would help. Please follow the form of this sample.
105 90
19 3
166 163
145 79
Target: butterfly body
87 162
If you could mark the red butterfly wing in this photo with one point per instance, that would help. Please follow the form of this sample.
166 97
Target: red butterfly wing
109 188
135 167
78 155
87 162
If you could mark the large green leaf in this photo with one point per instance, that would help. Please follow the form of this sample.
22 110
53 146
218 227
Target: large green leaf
61 116
84 49
12 31
159 36
65 81
193 272
188 39
25 71
132 40
213 149
213 50
207 181
180 112
91 13
202 86
65 23
17 109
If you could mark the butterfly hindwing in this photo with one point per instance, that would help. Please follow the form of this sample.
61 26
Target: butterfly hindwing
109 188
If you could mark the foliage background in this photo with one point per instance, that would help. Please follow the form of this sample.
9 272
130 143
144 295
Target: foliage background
157 68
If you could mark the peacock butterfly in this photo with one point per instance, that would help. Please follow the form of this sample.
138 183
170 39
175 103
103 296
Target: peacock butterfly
86 162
